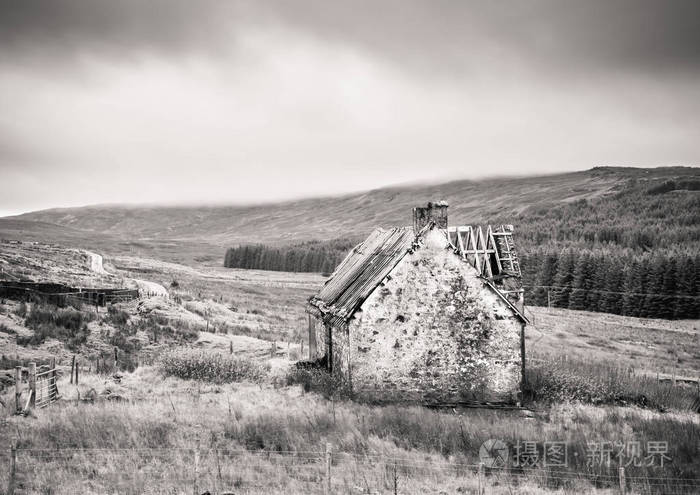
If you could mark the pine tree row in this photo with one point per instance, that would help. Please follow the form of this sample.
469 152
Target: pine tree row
649 285
320 257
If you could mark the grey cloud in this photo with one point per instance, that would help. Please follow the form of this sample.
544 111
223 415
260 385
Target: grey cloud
62 30
525 85
567 34
436 35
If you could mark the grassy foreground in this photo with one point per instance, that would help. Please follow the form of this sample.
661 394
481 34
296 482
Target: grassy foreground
258 438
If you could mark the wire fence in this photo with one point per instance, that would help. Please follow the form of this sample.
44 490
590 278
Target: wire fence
218 470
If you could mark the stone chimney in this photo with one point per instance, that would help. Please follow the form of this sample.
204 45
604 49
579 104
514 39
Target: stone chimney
435 211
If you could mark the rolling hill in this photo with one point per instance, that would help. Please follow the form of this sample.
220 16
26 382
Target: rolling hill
501 199
590 240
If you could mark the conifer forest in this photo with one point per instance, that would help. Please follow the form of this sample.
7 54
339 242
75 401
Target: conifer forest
633 252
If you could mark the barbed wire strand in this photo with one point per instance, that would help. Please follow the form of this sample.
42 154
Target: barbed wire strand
601 291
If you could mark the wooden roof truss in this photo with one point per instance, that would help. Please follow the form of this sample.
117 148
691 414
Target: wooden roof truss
491 253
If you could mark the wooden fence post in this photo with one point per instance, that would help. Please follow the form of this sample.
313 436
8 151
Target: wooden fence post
481 479
18 389
623 484
196 466
53 391
327 486
217 478
72 369
77 367
32 384
523 375
13 470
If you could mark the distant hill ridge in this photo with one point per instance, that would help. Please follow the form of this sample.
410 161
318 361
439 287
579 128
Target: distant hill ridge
618 240
354 215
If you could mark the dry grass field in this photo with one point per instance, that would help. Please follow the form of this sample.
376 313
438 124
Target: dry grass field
264 304
52 263
645 345
257 438
253 430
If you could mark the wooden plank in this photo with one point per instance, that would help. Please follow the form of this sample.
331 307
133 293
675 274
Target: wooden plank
18 389
523 377
492 241
487 264
29 400
473 238
32 382
461 245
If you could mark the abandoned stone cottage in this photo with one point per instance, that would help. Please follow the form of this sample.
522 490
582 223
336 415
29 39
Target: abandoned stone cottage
429 313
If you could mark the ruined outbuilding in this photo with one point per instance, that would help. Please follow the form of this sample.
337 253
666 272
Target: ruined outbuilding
428 313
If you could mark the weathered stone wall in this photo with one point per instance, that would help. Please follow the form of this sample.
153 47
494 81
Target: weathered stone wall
432 331
318 336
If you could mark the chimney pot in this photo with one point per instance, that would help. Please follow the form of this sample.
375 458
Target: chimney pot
435 211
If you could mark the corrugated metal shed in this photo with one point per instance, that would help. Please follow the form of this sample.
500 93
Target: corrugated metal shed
360 273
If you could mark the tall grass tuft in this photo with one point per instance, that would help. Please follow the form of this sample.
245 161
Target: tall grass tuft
163 328
554 380
212 367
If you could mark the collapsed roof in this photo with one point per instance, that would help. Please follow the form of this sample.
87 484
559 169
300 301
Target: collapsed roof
492 253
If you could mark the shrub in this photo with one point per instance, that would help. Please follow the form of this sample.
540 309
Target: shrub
68 318
72 339
314 377
71 319
21 310
117 317
122 338
159 327
5 329
191 364
64 324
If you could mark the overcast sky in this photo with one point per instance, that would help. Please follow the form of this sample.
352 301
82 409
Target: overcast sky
181 101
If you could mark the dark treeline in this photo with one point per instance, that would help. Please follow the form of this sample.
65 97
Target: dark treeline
648 285
641 239
641 217
312 256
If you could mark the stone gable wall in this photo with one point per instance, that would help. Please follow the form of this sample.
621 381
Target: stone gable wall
432 331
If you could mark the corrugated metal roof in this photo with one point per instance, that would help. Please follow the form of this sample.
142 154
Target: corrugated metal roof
361 272
364 268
